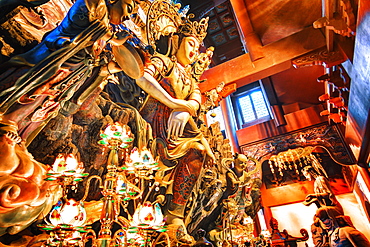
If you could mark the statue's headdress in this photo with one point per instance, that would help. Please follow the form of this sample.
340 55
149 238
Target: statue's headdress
165 19
194 28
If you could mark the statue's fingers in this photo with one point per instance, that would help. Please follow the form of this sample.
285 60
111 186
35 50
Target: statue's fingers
170 127
176 131
169 132
13 136
182 127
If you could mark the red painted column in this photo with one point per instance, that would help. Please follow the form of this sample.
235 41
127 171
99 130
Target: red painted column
230 126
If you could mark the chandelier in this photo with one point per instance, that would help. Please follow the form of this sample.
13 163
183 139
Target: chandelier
66 223
290 163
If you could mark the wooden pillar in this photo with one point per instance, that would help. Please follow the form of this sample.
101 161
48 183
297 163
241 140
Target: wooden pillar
252 43
328 11
268 215
230 125
275 106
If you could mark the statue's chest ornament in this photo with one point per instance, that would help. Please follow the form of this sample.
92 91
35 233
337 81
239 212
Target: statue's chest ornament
183 81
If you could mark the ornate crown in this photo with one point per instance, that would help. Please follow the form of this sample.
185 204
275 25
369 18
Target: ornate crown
165 18
194 28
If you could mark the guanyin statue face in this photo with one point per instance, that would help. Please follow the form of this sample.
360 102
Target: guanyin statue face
188 50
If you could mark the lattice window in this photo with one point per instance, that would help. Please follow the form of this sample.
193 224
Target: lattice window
251 105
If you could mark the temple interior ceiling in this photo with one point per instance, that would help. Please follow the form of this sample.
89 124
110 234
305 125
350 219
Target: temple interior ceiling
273 20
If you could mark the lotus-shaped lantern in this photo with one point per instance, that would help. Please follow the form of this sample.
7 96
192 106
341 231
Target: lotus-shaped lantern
66 169
142 162
68 213
266 233
66 221
148 215
127 190
134 238
67 164
116 135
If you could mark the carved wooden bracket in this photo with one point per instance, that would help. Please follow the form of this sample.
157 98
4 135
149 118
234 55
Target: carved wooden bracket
341 20
213 97
320 57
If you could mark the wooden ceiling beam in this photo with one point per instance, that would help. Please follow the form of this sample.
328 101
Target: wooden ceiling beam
278 55
251 42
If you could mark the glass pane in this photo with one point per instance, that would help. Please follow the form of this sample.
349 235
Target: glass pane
247 109
259 104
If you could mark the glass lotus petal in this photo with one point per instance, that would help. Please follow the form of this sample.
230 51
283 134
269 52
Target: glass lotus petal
266 233
59 164
135 156
148 215
121 188
67 164
142 160
68 212
117 135
113 130
135 239
73 164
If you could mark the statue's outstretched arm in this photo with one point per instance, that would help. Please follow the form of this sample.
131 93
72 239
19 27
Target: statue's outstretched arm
151 86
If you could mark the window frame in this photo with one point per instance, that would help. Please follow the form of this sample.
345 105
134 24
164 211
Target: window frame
242 92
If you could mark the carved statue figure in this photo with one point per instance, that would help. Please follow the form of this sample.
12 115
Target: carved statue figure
319 235
174 101
207 196
213 97
323 194
202 241
284 239
340 229
203 61
240 181
7 6
24 195
261 241
233 220
331 227
69 62
38 83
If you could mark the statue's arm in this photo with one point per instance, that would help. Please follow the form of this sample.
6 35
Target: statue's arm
233 180
195 100
355 237
151 86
